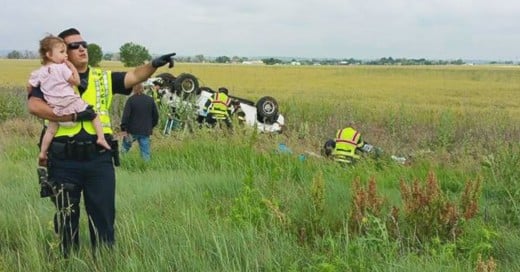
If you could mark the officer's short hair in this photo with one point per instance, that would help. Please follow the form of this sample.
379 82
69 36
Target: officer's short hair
223 90
138 88
68 32
328 147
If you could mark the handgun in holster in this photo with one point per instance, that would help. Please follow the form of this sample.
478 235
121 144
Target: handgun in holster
47 187
114 145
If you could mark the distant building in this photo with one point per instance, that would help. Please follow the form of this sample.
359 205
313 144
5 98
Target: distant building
253 62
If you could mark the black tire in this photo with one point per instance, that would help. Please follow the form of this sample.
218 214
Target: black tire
168 81
167 78
267 110
186 85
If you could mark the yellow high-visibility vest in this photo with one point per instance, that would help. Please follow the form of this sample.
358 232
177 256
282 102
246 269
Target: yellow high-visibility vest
219 105
99 95
347 140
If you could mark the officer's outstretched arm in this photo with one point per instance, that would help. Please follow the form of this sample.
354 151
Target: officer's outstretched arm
143 72
139 74
40 108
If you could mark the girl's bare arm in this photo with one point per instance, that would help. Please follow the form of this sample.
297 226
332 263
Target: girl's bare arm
74 78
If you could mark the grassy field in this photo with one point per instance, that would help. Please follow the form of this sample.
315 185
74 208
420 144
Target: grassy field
234 203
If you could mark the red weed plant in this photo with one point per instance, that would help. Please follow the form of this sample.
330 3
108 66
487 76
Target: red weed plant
469 199
365 202
486 265
428 213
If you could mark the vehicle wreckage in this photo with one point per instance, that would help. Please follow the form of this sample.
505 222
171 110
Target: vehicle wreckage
183 93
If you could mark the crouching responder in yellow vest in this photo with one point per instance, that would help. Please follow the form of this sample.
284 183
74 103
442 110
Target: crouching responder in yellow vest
348 141
347 146
218 108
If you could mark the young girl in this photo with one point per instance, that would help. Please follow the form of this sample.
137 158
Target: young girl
56 78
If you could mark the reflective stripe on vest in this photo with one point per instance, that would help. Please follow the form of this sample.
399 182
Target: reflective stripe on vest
99 95
345 135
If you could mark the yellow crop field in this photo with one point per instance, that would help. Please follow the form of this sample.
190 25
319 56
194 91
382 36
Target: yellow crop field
469 88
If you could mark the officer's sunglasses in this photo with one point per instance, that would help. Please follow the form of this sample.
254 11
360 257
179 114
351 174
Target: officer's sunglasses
76 45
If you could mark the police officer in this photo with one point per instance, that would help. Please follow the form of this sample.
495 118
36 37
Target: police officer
76 164
218 108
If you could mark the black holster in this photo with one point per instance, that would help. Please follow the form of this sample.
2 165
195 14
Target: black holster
47 187
114 145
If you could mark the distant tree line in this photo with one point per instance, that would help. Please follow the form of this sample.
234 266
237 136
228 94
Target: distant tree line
15 54
131 54
352 61
404 61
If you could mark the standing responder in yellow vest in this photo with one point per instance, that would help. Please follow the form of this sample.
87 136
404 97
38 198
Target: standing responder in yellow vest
218 108
77 165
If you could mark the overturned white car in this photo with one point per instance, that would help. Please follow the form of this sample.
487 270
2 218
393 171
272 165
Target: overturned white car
183 92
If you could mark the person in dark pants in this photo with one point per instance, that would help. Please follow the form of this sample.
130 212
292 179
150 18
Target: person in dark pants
140 116
218 108
76 165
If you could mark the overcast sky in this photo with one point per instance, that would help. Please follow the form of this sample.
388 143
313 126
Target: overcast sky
362 29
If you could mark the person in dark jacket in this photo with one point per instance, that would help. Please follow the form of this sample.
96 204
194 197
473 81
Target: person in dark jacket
140 116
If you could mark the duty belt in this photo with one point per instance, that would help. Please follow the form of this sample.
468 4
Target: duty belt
75 150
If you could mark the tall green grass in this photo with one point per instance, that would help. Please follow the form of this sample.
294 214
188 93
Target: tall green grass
235 203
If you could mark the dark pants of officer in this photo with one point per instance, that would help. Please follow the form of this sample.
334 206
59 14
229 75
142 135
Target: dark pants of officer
89 170
212 121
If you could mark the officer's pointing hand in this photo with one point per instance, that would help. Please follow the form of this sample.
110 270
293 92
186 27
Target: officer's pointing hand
162 60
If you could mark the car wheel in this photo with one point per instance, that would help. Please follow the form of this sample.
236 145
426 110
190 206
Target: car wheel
186 85
167 81
267 110
167 78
